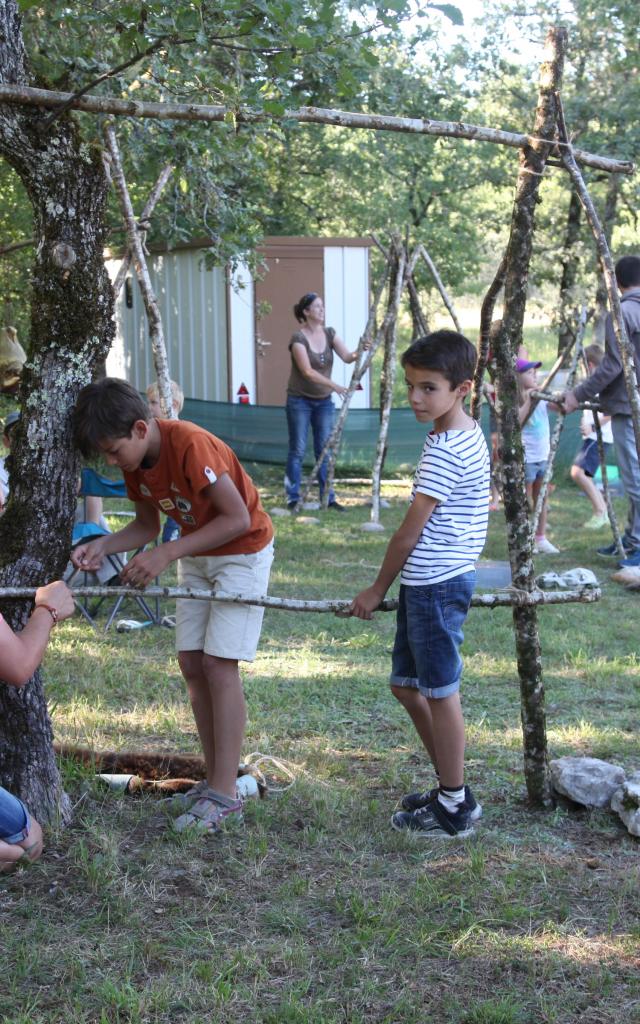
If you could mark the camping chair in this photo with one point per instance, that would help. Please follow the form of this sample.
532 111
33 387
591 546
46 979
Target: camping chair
93 485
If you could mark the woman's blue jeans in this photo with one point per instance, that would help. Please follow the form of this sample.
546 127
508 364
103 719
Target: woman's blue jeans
303 413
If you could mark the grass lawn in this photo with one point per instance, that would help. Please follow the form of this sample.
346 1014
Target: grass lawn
315 911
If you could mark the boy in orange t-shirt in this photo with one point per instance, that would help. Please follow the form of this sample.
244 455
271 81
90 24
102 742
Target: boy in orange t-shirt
227 542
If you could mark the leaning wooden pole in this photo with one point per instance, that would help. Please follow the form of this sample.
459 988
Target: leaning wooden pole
484 341
156 334
363 362
507 339
576 339
143 224
444 294
627 354
388 376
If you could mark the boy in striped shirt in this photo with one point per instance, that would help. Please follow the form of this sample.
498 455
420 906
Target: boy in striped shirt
434 551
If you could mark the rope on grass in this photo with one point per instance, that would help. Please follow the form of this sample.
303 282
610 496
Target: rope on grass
503 598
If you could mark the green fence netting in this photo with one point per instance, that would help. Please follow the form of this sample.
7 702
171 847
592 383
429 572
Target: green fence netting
258 433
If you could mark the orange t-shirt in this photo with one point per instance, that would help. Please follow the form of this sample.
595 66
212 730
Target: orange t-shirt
191 459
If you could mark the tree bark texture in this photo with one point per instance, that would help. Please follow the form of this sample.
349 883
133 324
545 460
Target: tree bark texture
71 331
569 272
305 115
506 342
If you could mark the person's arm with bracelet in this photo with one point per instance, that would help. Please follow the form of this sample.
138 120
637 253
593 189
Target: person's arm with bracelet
21 653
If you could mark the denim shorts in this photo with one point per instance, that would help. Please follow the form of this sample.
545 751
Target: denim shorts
534 471
15 822
588 458
426 652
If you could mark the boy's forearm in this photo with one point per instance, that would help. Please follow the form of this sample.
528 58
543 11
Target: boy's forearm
212 535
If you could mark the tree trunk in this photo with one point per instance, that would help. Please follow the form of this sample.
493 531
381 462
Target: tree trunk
608 220
71 330
506 342
569 272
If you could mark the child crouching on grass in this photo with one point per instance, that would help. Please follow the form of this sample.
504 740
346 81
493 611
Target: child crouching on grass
226 543
435 550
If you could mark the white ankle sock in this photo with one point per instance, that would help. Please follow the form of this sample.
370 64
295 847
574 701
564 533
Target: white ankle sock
451 799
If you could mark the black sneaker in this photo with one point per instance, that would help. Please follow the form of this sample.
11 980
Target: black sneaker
336 506
292 506
414 801
611 550
435 821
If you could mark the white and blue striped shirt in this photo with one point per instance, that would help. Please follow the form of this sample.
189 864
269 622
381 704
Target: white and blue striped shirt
454 469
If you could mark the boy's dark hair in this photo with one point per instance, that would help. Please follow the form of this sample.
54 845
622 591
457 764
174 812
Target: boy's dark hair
594 354
106 409
446 352
628 271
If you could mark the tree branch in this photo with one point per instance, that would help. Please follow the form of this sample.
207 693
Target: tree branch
25 96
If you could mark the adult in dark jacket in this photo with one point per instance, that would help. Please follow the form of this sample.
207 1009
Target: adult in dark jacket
607 383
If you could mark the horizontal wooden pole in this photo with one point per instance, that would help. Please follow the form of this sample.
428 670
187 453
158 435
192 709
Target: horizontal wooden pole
503 598
50 99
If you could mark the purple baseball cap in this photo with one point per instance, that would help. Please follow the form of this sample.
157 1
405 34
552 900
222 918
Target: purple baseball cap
525 364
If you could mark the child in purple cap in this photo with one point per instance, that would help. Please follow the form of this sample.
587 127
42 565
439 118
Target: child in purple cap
534 420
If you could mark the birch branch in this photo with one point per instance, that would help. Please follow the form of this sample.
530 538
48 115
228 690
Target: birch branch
363 362
154 196
559 423
388 375
25 96
440 286
556 397
627 353
156 334
501 599
484 341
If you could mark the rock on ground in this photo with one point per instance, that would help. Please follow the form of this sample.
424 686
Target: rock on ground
586 780
626 802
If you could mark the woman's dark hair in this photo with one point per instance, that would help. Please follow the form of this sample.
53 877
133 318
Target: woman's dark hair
302 305
445 352
106 410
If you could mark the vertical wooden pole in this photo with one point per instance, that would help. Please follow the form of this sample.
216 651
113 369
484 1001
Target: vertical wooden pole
507 339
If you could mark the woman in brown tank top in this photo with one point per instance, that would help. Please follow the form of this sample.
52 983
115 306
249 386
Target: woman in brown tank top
309 390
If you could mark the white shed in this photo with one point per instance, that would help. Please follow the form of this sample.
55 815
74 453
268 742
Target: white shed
222 332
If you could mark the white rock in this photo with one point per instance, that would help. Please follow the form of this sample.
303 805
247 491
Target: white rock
307 520
372 527
629 575
587 780
626 802
279 511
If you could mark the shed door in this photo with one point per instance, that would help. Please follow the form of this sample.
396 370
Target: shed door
291 272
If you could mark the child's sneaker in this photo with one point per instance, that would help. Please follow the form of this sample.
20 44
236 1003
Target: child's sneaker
414 801
597 521
543 546
434 821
